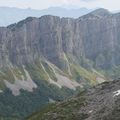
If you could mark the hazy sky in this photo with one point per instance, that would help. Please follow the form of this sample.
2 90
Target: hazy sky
41 4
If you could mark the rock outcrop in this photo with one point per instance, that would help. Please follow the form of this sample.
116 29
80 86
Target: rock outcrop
99 103
95 36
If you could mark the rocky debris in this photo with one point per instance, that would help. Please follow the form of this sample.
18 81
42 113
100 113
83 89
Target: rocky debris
98 103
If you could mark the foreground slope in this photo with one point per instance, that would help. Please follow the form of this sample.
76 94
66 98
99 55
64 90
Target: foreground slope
99 103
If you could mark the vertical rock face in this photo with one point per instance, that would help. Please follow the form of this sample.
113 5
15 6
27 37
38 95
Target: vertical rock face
94 36
5 36
24 45
51 38
101 38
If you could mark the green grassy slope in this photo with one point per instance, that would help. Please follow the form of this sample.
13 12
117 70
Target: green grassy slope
17 107
68 110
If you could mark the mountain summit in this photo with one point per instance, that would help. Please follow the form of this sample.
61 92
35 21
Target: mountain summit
11 15
101 12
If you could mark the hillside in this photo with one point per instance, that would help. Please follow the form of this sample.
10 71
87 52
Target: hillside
99 103
51 58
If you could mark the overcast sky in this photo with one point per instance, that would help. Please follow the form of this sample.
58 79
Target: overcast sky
41 4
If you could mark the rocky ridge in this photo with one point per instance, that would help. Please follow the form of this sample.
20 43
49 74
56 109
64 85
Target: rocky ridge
99 103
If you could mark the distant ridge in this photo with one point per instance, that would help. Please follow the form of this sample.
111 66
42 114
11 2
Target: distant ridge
11 15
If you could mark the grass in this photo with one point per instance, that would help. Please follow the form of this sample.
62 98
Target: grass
78 71
36 72
49 71
9 74
67 110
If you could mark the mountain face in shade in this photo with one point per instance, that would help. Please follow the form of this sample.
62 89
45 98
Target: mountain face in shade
94 36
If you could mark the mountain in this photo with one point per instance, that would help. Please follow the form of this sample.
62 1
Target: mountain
99 103
51 58
12 15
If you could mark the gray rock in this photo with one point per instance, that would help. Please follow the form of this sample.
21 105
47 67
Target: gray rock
91 35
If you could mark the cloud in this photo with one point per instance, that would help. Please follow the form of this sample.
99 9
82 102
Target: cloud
88 0
66 1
